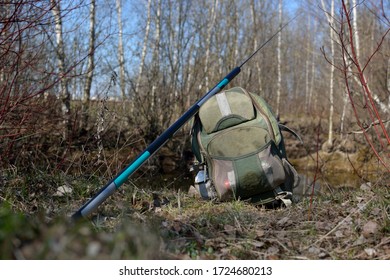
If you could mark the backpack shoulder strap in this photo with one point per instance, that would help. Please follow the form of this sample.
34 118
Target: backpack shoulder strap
286 128
196 127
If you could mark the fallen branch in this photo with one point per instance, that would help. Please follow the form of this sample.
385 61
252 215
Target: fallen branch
366 128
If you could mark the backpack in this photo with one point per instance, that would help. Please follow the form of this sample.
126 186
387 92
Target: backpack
238 144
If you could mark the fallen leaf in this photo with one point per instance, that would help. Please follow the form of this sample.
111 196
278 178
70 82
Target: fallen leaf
225 251
284 221
63 190
371 252
258 244
260 233
273 250
361 240
230 230
314 250
323 226
370 229
376 211
365 186
323 255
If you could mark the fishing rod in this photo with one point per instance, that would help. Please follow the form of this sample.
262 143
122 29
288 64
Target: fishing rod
122 176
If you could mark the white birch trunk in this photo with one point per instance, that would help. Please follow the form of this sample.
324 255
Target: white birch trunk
331 81
313 70
235 38
388 83
121 56
385 108
208 43
331 85
388 79
60 53
342 120
256 43
382 106
91 66
355 28
349 70
307 62
190 61
144 49
279 57
156 62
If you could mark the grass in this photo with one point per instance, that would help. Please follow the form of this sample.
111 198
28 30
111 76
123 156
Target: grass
137 223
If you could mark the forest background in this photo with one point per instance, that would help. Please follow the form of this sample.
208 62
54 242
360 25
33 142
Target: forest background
86 85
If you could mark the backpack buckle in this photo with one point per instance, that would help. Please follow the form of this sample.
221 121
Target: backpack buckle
285 198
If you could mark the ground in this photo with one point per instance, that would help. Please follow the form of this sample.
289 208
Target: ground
344 223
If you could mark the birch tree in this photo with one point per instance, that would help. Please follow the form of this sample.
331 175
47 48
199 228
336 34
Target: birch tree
369 108
90 67
355 27
313 64
255 29
121 56
388 81
60 53
144 48
279 58
355 19
330 18
213 15
155 57
346 58
307 66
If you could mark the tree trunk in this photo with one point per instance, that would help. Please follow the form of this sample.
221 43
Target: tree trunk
208 43
60 53
256 43
349 70
121 56
307 62
156 58
144 49
388 81
91 66
331 81
313 64
384 108
279 56
355 27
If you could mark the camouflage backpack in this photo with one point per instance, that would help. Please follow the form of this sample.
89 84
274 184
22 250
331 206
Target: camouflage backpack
239 146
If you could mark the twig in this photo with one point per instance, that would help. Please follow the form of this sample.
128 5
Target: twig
339 224
280 243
